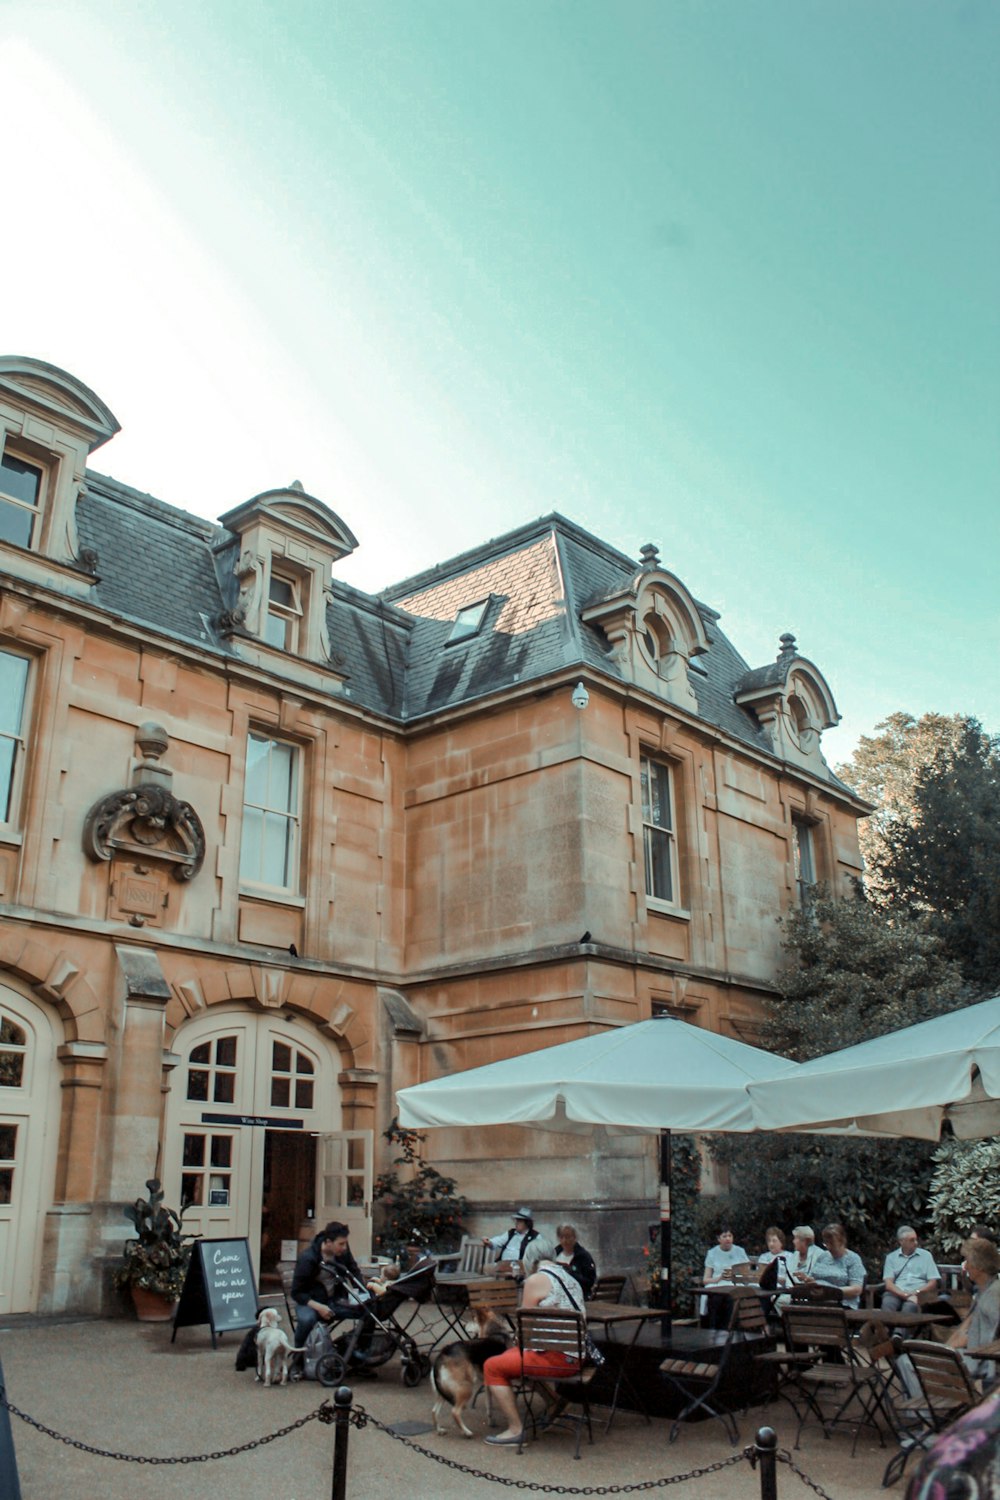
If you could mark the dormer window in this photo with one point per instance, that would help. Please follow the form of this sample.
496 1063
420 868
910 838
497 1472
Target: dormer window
468 622
20 491
655 629
284 610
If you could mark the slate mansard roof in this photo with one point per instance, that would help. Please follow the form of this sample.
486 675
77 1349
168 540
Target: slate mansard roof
172 572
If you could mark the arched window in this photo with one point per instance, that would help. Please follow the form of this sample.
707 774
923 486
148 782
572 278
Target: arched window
13 1047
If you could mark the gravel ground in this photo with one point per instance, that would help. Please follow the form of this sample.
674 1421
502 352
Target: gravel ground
122 1385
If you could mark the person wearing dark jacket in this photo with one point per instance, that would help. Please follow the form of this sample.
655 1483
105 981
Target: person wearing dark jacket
327 1285
578 1261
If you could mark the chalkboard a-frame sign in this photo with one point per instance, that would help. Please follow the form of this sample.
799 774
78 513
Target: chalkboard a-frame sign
219 1288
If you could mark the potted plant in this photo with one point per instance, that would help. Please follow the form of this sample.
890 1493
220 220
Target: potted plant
154 1263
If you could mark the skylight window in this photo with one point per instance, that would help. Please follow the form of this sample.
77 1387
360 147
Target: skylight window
468 621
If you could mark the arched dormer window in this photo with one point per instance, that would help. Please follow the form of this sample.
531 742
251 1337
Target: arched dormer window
655 628
50 424
792 702
288 542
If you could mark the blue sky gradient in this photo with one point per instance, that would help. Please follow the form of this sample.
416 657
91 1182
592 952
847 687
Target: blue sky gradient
722 276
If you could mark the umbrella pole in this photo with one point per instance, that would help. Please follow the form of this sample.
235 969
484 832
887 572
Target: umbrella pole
666 1261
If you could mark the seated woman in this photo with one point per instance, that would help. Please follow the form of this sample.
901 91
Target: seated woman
546 1285
575 1258
775 1255
721 1261
801 1259
840 1267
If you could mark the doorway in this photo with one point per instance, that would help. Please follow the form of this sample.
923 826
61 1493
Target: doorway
250 1101
289 1191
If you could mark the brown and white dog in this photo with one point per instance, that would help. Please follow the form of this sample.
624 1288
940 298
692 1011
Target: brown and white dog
273 1349
457 1372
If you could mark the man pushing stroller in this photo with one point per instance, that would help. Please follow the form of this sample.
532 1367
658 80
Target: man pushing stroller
327 1287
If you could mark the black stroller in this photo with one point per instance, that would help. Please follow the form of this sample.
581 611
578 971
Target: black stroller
390 1327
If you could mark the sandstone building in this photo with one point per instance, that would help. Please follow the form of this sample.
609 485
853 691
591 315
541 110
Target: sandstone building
271 848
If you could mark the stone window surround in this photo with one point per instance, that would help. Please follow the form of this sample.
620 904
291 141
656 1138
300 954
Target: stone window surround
291 616
12 792
41 464
258 888
653 830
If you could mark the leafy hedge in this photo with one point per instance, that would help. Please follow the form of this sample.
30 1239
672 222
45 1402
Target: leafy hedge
965 1190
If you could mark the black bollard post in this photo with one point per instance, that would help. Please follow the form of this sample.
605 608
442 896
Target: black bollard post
767 1460
341 1430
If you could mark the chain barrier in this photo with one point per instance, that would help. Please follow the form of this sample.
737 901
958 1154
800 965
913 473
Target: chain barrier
784 1457
537 1487
360 1418
145 1458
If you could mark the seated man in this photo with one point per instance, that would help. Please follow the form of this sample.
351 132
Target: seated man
327 1286
907 1272
513 1242
981 1325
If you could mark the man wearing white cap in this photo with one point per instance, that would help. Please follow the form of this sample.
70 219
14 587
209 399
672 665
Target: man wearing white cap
511 1245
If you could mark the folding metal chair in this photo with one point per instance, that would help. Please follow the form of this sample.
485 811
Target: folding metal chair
608 1289
837 1371
556 1330
698 1381
946 1392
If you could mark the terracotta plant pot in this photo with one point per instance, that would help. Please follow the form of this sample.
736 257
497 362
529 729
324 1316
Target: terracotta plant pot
152 1307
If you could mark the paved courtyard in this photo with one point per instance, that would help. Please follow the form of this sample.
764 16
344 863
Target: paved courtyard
122 1385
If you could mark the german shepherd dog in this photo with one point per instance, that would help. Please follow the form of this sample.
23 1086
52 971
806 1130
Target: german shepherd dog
457 1372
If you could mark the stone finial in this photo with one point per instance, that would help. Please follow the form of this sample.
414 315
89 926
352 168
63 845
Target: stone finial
152 740
296 484
649 555
788 647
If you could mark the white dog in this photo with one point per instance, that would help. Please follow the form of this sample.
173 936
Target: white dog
273 1349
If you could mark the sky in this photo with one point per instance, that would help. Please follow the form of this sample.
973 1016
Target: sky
723 275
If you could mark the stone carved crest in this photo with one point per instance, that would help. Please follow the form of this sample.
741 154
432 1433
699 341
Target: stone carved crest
147 820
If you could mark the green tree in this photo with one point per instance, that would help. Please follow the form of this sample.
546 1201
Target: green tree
851 972
932 846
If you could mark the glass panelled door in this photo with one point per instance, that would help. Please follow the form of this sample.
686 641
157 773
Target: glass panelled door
29 1126
344 1185
250 1097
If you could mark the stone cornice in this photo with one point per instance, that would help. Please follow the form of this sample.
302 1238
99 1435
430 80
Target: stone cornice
527 959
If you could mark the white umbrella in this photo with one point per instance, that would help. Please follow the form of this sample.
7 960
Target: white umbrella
907 1083
653 1075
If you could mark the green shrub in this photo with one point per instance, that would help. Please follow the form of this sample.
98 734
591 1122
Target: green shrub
420 1208
870 1186
965 1190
